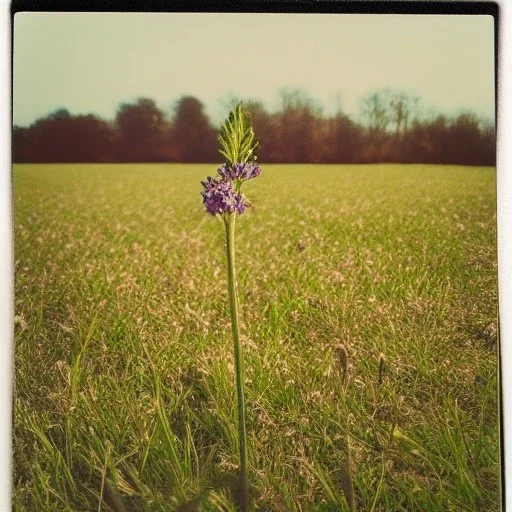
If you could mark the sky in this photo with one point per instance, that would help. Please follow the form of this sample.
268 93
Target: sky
93 62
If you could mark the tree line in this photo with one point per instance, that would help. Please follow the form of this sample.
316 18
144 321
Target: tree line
389 128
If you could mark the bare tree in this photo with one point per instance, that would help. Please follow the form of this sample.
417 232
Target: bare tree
375 112
403 109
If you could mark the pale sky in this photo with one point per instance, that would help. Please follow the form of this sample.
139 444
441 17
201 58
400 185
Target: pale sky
92 62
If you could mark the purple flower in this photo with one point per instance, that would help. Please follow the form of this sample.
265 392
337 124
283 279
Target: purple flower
239 171
220 197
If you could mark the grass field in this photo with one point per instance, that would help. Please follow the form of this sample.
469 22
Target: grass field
124 384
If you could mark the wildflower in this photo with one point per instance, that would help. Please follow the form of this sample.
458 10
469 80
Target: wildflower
239 171
222 196
219 196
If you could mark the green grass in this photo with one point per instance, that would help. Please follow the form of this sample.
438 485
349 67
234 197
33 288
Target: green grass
124 384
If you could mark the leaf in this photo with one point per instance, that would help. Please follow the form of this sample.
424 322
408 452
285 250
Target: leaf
237 139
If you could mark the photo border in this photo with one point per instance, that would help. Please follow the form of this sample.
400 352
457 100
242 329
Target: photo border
501 10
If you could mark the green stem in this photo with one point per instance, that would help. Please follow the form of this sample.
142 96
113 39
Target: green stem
242 494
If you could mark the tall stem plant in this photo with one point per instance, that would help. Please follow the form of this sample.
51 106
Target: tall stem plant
242 490
222 196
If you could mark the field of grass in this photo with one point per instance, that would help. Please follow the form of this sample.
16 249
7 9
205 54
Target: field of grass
124 384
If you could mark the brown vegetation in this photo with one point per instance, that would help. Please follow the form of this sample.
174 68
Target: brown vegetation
389 129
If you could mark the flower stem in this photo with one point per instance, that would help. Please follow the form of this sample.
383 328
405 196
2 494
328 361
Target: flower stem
242 492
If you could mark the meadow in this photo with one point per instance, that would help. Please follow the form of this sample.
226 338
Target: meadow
124 385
